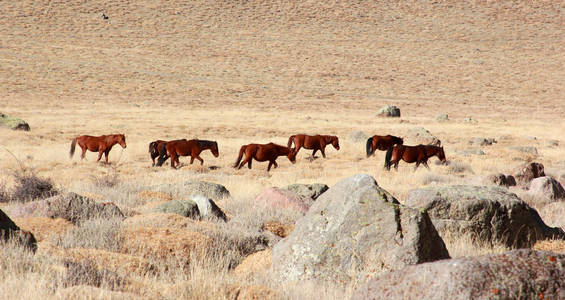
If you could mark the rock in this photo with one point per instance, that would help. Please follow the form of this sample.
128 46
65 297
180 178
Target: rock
256 263
307 191
277 228
470 120
207 189
552 143
496 179
442 118
389 111
516 274
9 231
276 197
553 213
526 172
546 187
482 141
208 208
420 135
185 208
354 229
525 149
510 180
13 123
358 136
69 206
490 215
469 152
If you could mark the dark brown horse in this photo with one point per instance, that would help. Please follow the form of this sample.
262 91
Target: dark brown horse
418 154
313 142
382 142
264 152
154 150
183 147
100 144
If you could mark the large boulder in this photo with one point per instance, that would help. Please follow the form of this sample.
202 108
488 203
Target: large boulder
420 135
546 187
307 191
185 208
355 229
10 231
487 214
208 208
499 179
526 172
13 123
516 274
281 198
389 111
70 206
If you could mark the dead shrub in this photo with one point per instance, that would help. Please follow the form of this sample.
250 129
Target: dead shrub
86 272
104 234
29 187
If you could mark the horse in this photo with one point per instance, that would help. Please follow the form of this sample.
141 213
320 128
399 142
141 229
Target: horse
154 150
264 152
382 142
313 142
410 154
102 144
183 147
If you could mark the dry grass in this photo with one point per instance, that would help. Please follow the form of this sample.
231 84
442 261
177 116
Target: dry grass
256 72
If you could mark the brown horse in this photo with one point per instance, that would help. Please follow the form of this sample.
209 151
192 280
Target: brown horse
183 147
154 150
264 152
313 142
418 154
100 144
382 142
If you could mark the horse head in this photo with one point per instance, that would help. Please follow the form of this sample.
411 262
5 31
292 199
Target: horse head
122 140
292 155
441 155
214 149
335 142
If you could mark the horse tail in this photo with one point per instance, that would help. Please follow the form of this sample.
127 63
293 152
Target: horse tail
162 155
400 141
73 145
388 157
369 147
241 151
152 147
290 140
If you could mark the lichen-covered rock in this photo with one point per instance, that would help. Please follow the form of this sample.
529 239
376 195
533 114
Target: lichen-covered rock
13 123
355 229
208 208
546 187
209 190
487 214
527 172
516 274
185 208
497 179
307 191
420 135
389 111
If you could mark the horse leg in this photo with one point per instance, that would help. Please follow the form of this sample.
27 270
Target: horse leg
416 167
200 159
99 154
425 163
106 155
314 152
323 152
191 159
275 164
83 152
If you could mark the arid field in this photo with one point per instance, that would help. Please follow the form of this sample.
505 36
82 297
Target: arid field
257 72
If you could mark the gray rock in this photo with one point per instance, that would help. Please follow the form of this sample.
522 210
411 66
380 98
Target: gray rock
552 143
496 179
527 172
389 111
281 198
442 118
546 187
489 215
13 123
470 120
525 149
185 208
420 135
516 274
9 231
482 141
307 191
207 189
472 151
70 206
355 229
208 208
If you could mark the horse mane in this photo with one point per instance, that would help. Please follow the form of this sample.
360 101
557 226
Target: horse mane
206 143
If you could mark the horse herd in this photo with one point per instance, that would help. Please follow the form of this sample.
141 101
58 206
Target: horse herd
163 150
